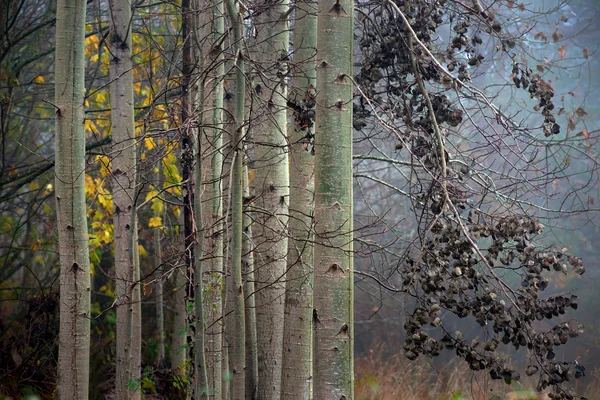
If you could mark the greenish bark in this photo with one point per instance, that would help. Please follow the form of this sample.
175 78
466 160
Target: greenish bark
249 289
333 289
123 166
158 271
136 318
74 331
297 337
272 196
237 355
178 353
227 303
210 102
179 335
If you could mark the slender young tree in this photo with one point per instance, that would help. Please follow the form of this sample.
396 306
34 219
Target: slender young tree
249 289
123 165
74 334
333 288
209 36
297 330
160 313
272 194
237 355
178 354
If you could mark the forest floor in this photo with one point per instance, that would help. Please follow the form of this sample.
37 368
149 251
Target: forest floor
378 377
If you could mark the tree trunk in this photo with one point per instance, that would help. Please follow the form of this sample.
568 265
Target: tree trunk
123 190
249 289
178 352
178 347
208 33
136 315
160 314
272 196
333 288
237 355
297 337
74 336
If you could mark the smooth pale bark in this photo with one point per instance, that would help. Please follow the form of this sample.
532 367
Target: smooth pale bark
158 271
179 343
297 336
249 304
272 196
178 354
209 36
333 288
227 302
248 285
237 356
160 314
74 334
200 387
123 165
136 317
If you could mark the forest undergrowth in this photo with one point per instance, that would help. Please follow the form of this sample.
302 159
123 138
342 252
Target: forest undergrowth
381 376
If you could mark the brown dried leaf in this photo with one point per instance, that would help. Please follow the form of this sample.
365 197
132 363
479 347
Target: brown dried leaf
580 112
562 51
556 35
585 133
586 53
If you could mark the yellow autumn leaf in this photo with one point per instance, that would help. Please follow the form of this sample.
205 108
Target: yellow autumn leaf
94 58
39 79
106 201
155 222
157 206
90 126
150 143
142 251
104 162
101 97
151 194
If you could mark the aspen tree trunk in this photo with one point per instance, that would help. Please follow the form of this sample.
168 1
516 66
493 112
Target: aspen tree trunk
333 289
272 196
237 356
210 34
136 315
248 285
249 289
123 165
227 303
178 347
74 334
160 314
178 354
297 337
